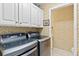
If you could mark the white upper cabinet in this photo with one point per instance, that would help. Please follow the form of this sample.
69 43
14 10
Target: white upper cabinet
40 17
24 13
34 15
10 13
0 12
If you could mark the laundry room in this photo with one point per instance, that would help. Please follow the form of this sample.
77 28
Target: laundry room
38 29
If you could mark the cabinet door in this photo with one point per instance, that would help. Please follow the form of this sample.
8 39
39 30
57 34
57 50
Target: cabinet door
0 12
34 15
10 12
24 13
40 18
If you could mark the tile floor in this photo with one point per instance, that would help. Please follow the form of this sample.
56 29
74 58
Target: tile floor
59 52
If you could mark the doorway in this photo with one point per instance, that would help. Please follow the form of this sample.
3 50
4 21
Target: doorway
62 32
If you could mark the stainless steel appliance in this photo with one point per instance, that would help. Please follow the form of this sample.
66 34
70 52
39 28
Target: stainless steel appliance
18 44
44 46
43 43
29 49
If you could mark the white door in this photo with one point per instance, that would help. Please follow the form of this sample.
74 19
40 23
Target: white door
10 13
34 15
24 13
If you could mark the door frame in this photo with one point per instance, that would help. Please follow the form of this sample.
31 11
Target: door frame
75 43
